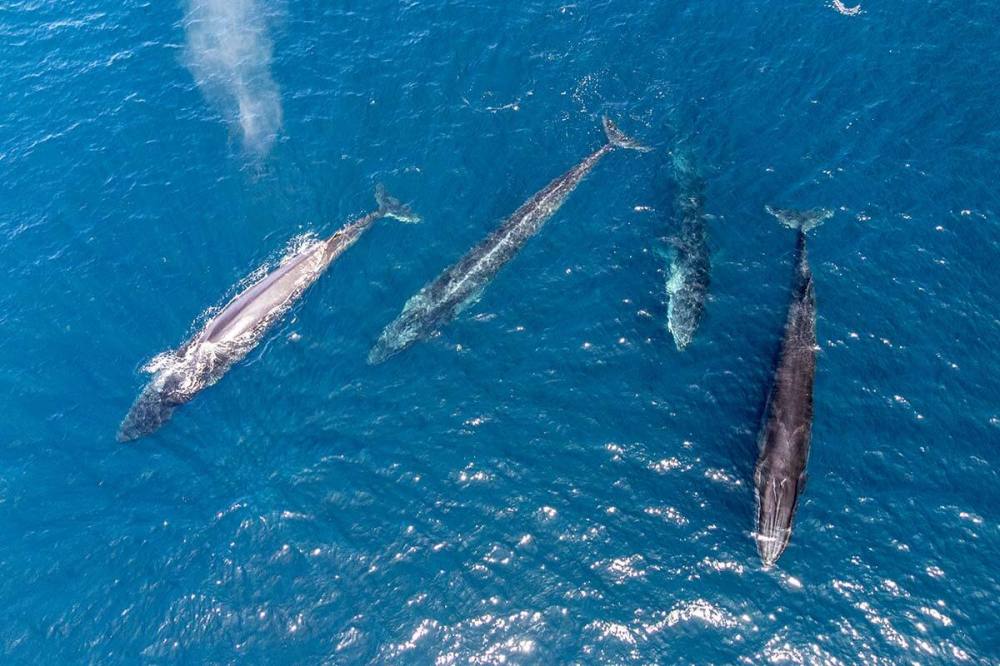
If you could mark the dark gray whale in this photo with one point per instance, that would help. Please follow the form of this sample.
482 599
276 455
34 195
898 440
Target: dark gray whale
687 286
232 333
784 439
441 300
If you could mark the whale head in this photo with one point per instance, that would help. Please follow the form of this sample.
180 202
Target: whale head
419 320
154 406
399 335
777 498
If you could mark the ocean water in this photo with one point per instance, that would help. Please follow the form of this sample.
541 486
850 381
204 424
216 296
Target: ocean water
549 480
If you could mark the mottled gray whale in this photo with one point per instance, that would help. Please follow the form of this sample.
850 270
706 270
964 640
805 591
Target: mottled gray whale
461 284
238 327
687 286
780 474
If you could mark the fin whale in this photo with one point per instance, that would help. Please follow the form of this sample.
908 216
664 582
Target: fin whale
785 436
240 325
461 284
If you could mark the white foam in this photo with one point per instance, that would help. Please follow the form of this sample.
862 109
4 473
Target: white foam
160 361
845 10
229 53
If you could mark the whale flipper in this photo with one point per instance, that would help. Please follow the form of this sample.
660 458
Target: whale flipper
619 139
389 206
805 220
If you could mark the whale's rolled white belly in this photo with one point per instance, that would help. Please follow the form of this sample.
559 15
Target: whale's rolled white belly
268 296
242 323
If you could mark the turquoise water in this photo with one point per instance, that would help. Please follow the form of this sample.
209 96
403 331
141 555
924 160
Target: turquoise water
549 480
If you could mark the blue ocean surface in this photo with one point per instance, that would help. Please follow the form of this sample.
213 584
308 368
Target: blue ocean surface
548 480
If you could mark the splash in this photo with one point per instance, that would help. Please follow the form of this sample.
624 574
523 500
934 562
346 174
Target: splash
162 360
845 10
229 53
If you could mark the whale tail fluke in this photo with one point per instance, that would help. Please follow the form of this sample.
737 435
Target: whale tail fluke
619 139
804 220
389 206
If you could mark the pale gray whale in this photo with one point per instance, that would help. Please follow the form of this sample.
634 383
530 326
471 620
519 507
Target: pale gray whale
231 334
780 474
687 286
441 300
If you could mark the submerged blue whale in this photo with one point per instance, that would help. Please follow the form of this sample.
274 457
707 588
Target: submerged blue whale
441 300
780 473
687 286
232 333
